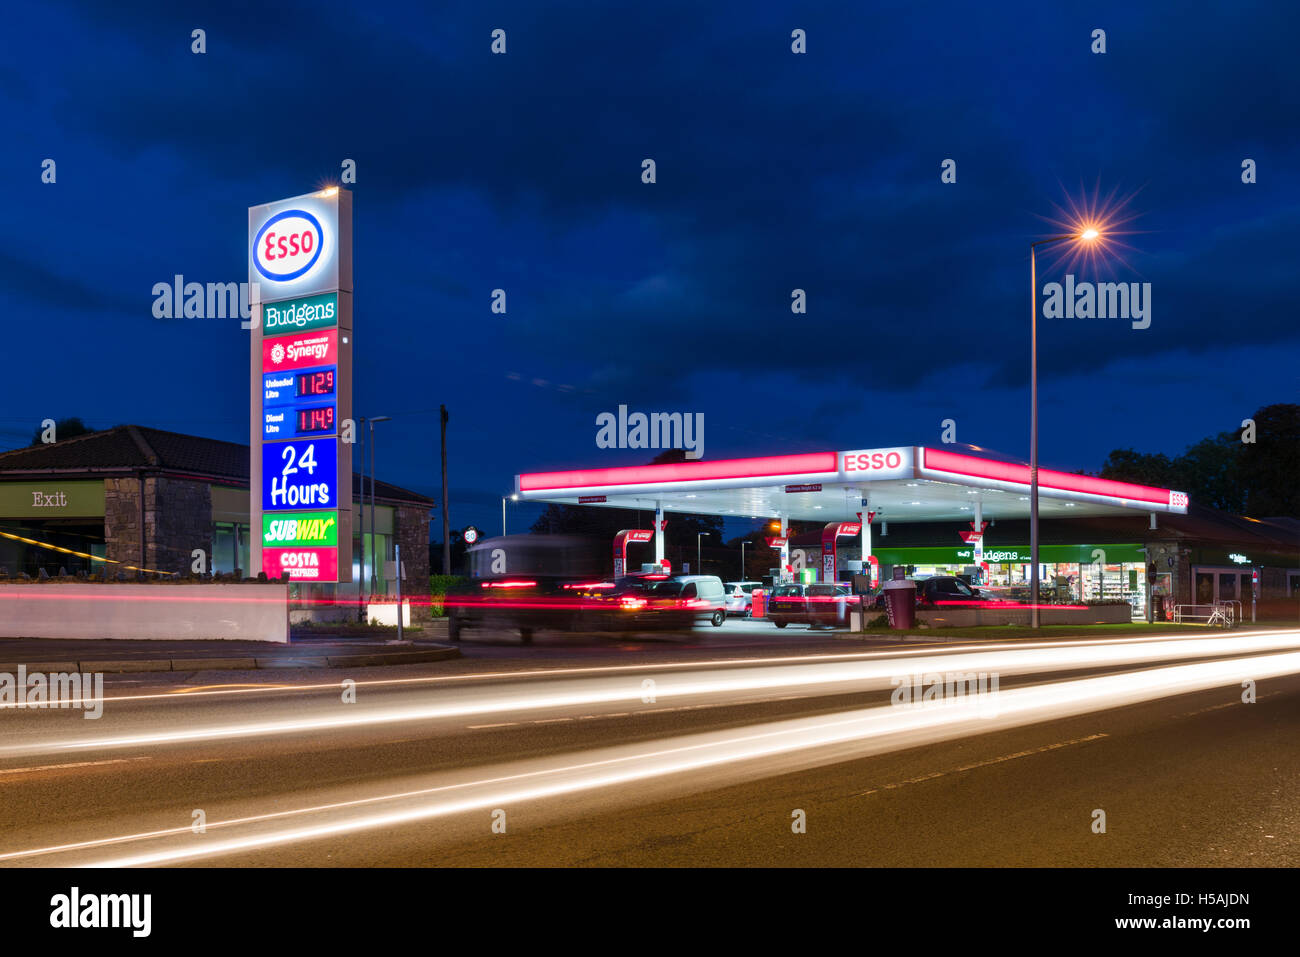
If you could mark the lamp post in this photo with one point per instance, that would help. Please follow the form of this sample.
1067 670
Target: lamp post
1088 234
374 577
742 559
699 562
513 498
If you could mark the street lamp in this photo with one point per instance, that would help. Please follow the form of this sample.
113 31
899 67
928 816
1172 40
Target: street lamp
742 559
513 498
374 577
1087 234
699 562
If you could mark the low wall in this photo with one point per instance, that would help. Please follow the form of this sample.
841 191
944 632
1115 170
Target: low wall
1019 615
162 611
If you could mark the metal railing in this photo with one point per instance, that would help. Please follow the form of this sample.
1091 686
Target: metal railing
1225 614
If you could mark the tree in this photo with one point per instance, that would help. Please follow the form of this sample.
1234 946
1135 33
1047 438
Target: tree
63 429
1270 466
1210 472
1257 478
1141 468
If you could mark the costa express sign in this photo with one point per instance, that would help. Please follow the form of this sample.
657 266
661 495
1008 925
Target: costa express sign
299 473
302 564
300 352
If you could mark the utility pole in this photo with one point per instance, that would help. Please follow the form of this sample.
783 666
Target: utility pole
446 521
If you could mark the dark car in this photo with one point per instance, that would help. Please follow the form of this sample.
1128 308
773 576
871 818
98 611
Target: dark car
786 604
824 604
520 582
941 589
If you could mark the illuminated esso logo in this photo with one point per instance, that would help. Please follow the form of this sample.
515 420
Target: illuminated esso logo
1177 499
868 461
288 245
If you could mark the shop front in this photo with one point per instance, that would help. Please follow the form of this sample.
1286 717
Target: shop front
1067 573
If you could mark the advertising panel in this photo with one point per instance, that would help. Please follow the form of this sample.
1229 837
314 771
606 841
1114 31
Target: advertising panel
299 473
300 315
300 359
302 564
300 351
300 530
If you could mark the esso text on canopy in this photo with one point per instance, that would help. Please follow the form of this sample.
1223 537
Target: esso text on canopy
872 461
288 245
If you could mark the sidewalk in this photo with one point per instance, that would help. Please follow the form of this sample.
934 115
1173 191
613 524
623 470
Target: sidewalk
53 655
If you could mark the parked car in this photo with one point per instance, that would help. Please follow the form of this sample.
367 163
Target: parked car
786 604
740 598
937 589
686 599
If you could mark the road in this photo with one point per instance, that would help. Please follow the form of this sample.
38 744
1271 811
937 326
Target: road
707 750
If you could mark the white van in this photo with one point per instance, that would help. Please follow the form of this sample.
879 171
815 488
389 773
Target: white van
699 597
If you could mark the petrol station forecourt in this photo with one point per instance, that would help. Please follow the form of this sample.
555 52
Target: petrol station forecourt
962 491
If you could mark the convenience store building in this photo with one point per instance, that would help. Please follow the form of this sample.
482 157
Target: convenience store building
146 499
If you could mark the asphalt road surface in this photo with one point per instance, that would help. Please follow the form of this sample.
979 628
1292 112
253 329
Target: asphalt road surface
697 752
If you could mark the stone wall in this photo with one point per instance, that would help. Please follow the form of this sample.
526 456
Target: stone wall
411 531
122 520
177 520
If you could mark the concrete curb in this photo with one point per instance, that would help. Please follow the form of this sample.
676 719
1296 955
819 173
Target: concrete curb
243 663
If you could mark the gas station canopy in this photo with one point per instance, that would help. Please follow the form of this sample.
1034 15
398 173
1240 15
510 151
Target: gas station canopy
902 484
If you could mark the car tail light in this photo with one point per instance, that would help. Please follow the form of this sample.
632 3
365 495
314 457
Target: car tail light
632 604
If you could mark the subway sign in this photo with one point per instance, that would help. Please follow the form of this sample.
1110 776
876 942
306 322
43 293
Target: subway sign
298 474
300 530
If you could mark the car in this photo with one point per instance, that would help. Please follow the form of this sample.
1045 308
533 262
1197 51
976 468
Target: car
740 598
941 589
685 599
786 604
816 605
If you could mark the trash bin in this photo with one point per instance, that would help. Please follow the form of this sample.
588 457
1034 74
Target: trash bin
758 607
900 603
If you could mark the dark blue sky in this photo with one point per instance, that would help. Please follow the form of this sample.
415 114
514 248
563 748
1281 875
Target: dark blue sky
775 171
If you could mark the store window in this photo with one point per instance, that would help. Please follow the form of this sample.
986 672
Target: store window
229 547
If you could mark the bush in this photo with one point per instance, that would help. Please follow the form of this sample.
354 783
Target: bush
440 586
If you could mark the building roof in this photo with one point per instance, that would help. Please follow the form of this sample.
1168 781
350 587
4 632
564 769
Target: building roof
125 449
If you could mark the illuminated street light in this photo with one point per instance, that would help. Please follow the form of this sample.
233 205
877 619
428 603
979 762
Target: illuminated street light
1087 234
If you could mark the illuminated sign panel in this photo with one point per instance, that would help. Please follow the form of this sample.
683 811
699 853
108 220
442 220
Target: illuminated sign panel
300 473
875 464
300 530
300 315
302 564
300 351
300 359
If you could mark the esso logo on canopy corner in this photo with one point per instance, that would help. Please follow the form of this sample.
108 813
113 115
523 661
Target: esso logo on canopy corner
1177 499
288 245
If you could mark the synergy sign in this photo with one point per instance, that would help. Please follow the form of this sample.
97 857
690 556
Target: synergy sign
300 352
300 258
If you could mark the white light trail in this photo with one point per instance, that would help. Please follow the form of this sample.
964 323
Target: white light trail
854 675
845 736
